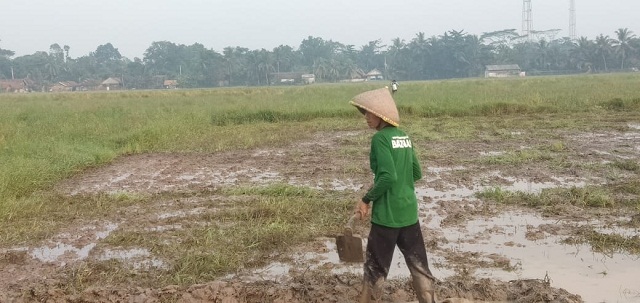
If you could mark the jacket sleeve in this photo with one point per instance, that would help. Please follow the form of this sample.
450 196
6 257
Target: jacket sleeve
417 171
385 174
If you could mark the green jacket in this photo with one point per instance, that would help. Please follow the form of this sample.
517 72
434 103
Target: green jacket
396 168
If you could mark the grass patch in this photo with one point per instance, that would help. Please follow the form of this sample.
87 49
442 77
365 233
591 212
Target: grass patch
629 165
622 194
619 104
606 243
245 234
40 216
518 157
46 137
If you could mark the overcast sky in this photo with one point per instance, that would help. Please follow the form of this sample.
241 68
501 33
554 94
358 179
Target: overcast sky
132 25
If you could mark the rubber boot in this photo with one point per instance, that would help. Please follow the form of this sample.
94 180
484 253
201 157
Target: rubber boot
424 286
371 294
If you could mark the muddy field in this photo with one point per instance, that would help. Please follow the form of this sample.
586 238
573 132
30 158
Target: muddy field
478 249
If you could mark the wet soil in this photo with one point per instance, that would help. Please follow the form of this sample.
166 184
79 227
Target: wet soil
479 250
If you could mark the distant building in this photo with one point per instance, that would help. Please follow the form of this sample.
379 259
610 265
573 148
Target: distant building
374 74
502 71
90 84
292 78
171 84
111 84
308 78
17 85
64 86
355 75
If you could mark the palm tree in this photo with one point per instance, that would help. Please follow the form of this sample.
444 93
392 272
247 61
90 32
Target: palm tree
582 53
369 55
394 56
419 55
603 48
265 64
235 59
622 44
283 56
228 59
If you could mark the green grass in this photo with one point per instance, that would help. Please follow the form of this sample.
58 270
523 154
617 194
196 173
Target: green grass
621 193
606 243
536 95
48 137
266 220
45 138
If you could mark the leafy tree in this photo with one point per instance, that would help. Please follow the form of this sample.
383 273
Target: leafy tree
106 53
108 61
583 53
623 45
33 66
419 56
135 74
5 63
453 54
163 58
314 48
369 57
266 64
285 58
236 64
603 48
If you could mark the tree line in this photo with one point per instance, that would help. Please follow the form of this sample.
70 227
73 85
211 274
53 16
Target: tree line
454 54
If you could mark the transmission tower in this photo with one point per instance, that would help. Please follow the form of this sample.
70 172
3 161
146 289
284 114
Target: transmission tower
527 20
572 19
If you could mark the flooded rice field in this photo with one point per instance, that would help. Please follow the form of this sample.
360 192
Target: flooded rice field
505 251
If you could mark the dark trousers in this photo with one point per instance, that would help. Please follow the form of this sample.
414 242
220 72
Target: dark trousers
380 246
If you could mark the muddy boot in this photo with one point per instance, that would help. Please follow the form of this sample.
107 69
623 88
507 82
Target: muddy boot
370 294
425 290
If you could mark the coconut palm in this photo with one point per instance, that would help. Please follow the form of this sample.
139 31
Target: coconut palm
265 64
622 45
582 53
603 48
284 57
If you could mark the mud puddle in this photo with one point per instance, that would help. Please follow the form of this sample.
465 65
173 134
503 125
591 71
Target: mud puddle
508 246
465 236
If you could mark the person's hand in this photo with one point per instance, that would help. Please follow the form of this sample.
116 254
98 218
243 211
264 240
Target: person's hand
362 210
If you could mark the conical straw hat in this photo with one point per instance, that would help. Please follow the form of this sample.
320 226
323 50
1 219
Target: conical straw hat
380 103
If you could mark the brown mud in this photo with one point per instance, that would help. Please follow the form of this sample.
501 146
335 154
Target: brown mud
478 250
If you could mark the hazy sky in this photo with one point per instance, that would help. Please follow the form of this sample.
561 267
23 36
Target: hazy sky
132 25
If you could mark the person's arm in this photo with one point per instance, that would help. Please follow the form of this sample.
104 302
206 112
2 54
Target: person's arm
417 171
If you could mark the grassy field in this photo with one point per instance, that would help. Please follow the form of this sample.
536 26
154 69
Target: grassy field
45 138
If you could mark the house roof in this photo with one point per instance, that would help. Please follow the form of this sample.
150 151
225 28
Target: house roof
111 81
12 83
374 72
68 83
16 83
90 82
287 75
503 67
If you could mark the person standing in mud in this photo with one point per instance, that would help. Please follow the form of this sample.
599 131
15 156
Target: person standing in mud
391 200
394 86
